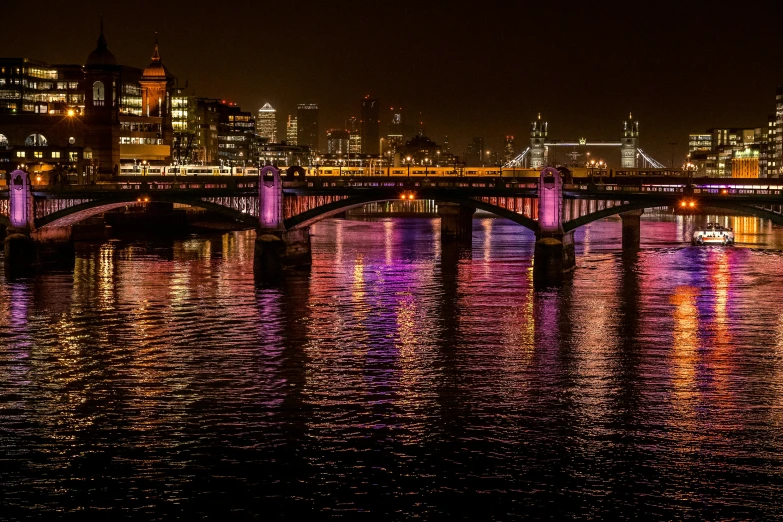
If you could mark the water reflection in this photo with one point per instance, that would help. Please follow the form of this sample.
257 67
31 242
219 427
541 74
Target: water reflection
400 376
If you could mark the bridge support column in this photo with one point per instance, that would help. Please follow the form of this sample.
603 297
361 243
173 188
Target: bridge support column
18 246
456 223
554 252
554 257
276 248
632 229
276 252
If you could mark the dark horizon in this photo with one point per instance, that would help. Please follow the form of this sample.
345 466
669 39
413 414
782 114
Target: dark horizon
680 69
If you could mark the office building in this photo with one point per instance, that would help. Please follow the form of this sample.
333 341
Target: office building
338 141
291 131
266 123
307 126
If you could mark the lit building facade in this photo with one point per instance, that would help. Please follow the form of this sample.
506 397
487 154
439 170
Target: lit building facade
183 124
284 155
355 138
699 143
729 152
338 141
291 131
745 164
266 123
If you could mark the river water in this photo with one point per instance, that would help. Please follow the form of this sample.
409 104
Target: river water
398 379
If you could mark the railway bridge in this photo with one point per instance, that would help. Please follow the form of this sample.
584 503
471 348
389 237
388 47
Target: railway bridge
282 208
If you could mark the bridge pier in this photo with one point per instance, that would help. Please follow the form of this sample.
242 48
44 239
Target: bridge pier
632 229
554 254
276 248
553 258
18 246
276 252
456 223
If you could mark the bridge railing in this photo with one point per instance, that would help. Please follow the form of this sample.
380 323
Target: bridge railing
148 186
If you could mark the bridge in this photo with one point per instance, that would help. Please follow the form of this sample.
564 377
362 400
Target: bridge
537 154
283 208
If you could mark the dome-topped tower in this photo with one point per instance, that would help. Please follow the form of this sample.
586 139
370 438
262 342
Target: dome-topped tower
154 83
155 70
101 55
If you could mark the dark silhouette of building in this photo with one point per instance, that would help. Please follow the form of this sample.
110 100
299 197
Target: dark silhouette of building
370 123
307 126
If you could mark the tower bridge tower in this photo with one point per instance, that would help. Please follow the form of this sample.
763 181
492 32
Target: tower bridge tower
538 134
629 143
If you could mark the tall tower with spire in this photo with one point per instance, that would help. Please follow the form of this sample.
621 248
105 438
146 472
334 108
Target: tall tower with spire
538 134
154 82
101 136
629 143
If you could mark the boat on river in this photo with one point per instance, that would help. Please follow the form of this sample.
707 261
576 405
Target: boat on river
713 234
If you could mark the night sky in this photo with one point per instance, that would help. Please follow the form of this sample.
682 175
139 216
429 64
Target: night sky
471 69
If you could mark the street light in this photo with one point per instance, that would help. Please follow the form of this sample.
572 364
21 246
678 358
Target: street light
380 152
426 162
408 160
144 167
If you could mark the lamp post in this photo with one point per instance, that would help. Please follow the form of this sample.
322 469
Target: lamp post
380 152
144 168
408 160
426 162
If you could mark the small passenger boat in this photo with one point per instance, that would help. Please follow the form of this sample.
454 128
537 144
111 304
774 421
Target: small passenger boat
713 234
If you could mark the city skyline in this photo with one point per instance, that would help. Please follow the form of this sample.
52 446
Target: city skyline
583 70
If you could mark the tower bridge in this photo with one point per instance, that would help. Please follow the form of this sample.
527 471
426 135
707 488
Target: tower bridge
283 209
537 155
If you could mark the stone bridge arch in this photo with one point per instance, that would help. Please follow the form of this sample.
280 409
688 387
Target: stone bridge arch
309 217
76 213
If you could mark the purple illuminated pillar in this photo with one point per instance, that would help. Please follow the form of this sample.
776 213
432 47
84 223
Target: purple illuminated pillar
19 251
20 202
270 201
554 253
550 202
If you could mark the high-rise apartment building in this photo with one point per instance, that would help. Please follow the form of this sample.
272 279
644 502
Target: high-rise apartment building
291 131
307 126
370 126
266 123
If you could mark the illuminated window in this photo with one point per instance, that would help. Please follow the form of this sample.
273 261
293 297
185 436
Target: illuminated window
38 154
20 154
36 140
55 154
98 93
73 156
